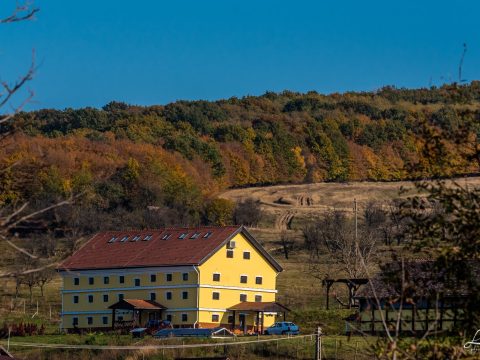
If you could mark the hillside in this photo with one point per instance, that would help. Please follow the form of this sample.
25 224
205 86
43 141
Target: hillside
174 159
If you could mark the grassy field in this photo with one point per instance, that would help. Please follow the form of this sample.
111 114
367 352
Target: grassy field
298 290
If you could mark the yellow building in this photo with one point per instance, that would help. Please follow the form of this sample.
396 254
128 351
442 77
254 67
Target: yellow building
193 277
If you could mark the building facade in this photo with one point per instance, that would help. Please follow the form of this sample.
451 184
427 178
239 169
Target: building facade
193 276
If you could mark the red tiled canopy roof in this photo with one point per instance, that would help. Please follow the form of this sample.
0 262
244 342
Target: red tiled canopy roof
139 250
137 304
270 306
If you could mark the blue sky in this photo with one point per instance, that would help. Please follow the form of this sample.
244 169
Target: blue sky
154 52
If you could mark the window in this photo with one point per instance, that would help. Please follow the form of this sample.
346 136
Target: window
169 317
106 280
229 253
105 297
230 319
243 297
183 235
120 318
105 320
147 237
75 299
258 298
258 280
166 236
195 235
207 235
137 282
246 255
185 276
215 295
184 295
184 317
215 318
243 279
89 320
153 296
113 239
168 295
90 298
121 279
216 277
153 278
125 238
91 281
120 297
136 238
76 281
169 277
75 321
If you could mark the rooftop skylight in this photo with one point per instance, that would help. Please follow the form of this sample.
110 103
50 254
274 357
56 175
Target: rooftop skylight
125 238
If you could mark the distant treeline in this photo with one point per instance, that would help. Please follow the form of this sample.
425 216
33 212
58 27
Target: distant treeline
179 154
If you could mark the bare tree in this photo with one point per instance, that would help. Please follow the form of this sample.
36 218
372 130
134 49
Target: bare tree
334 234
287 243
13 214
247 212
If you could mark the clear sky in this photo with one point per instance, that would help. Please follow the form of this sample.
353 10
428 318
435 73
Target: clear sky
153 52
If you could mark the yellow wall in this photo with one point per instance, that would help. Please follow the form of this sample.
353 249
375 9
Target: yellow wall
230 270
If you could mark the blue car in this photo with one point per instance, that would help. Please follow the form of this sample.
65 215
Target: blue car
282 328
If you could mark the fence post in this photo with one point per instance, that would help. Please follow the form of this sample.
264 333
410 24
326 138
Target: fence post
318 344
336 349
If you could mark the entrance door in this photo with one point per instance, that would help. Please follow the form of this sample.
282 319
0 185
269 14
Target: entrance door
243 323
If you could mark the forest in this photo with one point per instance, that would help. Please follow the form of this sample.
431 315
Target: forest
132 163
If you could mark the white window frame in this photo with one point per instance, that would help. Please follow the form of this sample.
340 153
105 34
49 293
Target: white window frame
246 282
258 276
154 294
88 299
135 282
249 255
103 298
171 295
255 297
216 314
246 297
216 292
103 320
181 317
166 277
73 321
75 297
219 276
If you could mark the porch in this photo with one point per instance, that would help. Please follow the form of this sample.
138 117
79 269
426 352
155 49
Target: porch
258 310
142 311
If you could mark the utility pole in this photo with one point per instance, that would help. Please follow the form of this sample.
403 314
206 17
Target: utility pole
356 219
318 344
